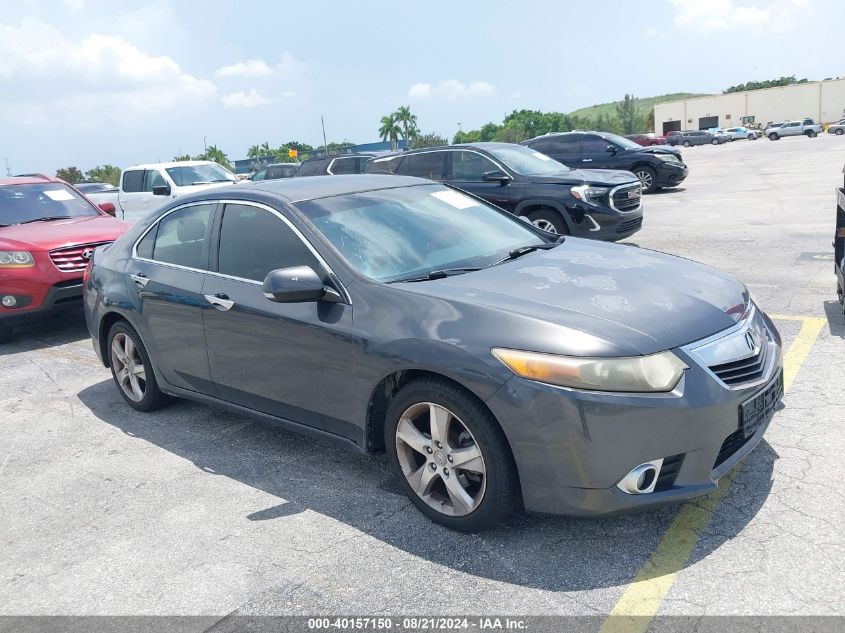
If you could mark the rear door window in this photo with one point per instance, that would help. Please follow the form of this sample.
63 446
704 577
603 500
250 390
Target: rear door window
593 144
426 165
182 237
133 180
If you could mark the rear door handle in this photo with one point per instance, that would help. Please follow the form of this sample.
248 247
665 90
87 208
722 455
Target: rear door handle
220 301
141 279
587 160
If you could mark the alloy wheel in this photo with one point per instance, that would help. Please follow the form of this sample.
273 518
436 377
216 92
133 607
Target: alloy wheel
645 179
128 367
544 225
440 459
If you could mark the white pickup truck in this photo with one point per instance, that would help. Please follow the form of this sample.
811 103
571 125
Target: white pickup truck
794 128
146 188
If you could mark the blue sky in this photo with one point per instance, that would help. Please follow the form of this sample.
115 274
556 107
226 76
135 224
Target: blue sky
85 82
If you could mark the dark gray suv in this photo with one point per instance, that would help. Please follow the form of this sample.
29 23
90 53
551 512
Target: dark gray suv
496 364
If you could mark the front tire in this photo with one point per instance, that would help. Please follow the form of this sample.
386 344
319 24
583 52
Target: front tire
648 178
548 220
715 141
839 131
5 333
774 137
751 137
686 143
132 370
451 456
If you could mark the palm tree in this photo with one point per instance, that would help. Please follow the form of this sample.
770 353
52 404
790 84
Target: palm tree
408 122
390 130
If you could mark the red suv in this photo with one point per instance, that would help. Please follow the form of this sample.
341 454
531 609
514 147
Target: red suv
48 231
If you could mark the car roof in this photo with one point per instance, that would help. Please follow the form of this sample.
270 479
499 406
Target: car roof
313 187
345 155
178 163
29 180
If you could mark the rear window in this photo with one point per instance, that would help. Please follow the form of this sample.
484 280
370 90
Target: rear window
312 168
351 165
41 201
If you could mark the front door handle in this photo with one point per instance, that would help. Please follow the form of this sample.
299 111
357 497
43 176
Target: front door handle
587 160
140 279
220 301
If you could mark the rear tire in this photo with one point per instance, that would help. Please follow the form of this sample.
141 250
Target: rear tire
811 134
715 141
132 369
5 333
838 131
425 458
548 220
648 178
686 143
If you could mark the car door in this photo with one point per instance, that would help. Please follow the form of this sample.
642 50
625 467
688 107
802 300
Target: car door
594 154
131 193
564 148
166 276
154 178
290 360
466 169
791 129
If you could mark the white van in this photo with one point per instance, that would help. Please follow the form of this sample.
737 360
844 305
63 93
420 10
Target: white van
146 188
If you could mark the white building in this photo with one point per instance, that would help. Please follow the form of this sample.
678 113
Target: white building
822 101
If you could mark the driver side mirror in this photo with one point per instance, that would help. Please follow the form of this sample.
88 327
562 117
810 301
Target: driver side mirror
108 207
611 149
496 175
161 190
299 284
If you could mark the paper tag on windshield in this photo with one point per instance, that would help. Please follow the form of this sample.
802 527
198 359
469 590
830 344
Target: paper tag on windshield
58 195
457 200
542 156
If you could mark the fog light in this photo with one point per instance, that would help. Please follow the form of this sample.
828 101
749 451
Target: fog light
9 301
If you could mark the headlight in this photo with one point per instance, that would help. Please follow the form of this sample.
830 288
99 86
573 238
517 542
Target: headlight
654 373
669 158
16 259
589 193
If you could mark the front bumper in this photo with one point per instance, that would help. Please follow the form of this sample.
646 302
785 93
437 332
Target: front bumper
671 174
602 223
35 297
572 447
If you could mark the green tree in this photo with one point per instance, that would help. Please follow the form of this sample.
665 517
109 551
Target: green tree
487 132
217 155
104 173
511 133
769 83
390 130
628 114
182 157
473 136
70 174
428 140
407 121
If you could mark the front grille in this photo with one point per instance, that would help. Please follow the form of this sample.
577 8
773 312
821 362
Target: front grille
627 199
743 371
70 260
668 472
629 226
730 446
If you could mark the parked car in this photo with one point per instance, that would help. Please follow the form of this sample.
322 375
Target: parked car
335 164
656 167
794 128
100 192
839 245
691 138
837 128
48 231
646 140
742 132
602 204
276 170
497 365
146 188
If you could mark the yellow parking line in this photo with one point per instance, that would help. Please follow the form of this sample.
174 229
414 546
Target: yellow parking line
639 604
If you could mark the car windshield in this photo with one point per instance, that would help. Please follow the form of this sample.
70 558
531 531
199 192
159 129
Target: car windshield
47 200
526 161
621 141
187 175
396 234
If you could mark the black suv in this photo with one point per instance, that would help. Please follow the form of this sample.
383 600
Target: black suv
334 164
600 204
655 166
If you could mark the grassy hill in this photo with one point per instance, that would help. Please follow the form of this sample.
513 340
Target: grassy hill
645 105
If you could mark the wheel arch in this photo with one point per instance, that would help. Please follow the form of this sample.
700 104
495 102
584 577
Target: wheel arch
536 204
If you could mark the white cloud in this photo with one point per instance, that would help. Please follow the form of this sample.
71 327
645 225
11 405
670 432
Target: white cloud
451 89
249 68
75 6
88 79
242 99
726 15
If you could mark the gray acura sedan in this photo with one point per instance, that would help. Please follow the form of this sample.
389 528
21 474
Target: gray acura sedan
497 365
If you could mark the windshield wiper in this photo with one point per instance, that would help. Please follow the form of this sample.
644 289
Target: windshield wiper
435 274
48 218
524 250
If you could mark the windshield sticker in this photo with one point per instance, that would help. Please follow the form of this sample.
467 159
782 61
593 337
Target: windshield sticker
541 156
58 195
455 199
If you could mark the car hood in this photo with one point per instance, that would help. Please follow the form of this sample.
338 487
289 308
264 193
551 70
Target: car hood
609 177
606 299
46 236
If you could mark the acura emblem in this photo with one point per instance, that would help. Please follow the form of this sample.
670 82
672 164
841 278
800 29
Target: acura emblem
749 340
87 253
